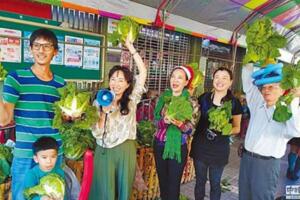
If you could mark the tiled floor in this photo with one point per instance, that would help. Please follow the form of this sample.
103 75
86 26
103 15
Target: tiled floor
231 172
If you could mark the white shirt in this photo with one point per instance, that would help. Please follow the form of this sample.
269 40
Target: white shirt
265 136
120 128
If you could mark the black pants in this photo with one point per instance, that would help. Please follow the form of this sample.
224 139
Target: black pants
169 172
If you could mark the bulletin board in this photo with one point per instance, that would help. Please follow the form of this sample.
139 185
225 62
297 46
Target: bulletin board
80 55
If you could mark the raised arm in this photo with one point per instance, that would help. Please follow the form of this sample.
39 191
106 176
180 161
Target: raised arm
139 62
253 95
246 77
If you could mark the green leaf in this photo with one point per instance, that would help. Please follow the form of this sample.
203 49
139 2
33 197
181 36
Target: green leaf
219 118
50 185
126 27
146 130
263 42
290 77
227 129
3 72
86 112
180 108
282 113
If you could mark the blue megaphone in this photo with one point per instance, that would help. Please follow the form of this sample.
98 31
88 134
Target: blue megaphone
105 97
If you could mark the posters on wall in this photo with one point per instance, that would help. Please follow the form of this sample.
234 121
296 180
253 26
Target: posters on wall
73 51
10 45
59 58
91 54
26 49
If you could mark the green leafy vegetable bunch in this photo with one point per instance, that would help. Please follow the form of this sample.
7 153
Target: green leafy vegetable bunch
179 108
76 142
126 27
263 42
219 118
76 107
145 129
290 80
51 185
5 162
3 72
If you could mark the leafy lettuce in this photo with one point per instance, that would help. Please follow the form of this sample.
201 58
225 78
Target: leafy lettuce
290 80
263 42
145 129
219 118
179 108
3 72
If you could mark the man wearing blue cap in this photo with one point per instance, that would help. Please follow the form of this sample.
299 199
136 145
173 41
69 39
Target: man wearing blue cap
266 139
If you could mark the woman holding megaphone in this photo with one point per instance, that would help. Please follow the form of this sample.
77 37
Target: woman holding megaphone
115 132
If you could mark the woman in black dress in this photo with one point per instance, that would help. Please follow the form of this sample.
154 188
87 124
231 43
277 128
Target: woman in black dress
210 148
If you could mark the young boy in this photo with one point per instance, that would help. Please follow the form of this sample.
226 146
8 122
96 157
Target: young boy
45 151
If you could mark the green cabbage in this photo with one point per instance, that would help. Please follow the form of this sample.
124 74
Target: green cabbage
51 185
5 162
3 72
76 142
126 27
77 106
74 104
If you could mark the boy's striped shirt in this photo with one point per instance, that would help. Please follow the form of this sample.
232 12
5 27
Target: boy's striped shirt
33 113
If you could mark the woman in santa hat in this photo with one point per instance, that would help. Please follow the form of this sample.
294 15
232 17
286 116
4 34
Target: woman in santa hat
170 142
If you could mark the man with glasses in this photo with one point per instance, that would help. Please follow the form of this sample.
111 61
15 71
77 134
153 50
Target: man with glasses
28 99
266 139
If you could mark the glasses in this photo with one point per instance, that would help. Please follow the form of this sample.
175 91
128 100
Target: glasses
46 46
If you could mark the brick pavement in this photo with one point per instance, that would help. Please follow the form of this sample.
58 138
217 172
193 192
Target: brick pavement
231 172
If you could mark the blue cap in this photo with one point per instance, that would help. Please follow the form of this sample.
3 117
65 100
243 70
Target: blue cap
272 73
